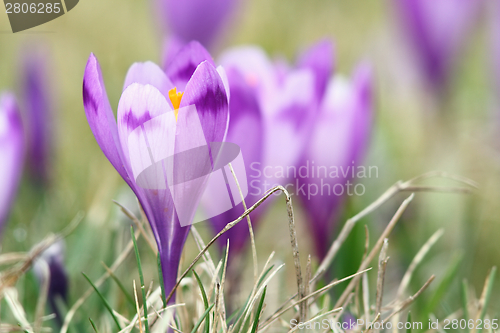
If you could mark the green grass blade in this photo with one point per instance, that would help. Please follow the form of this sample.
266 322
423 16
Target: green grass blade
465 300
408 320
122 287
141 276
205 299
203 293
162 285
202 318
488 288
264 275
238 314
106 304
259 309
93 325
445 284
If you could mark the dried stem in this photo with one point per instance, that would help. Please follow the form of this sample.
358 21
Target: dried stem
293 238
392 191
376 248
250 229
410 299
382 264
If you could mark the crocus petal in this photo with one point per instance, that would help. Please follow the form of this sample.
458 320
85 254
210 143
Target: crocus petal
195 19
223 76
171 46
206 91
254 65
192 164
11 153
289 118
319 58
185 62
338 142
100 116
148 73
138 105
246 130
38 116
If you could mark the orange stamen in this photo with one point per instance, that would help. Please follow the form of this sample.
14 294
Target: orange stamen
175 98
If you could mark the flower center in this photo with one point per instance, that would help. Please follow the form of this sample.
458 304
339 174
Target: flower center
175 98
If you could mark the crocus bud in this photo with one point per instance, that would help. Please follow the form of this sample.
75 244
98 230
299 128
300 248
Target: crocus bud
336 148
50 265
37 113
437 31
199 20
11 153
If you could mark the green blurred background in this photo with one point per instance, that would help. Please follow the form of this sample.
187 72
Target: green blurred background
412 135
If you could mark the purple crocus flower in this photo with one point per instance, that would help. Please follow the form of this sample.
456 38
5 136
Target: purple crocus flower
146 110
272 109
37 112
319 58
437 31
53 257
199 20
336 147
246 130
288 97
11 153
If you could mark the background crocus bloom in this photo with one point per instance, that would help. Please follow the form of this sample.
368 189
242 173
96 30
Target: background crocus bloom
246 130
288 97
437 31
272 109
53 258
149 96
11 153
38 115
198 20
339 140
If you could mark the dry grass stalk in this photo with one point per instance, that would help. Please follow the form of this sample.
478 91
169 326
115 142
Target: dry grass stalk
139 226
391 192
42 297
403 305
376 248
382 264
250 229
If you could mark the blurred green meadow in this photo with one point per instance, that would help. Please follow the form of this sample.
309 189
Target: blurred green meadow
412 135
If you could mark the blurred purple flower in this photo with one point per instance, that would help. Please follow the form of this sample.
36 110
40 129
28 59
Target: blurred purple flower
149 93
245 129
319 58
437 31
339 141
198 20
53 258
11 153
272 108
37 112
287 96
